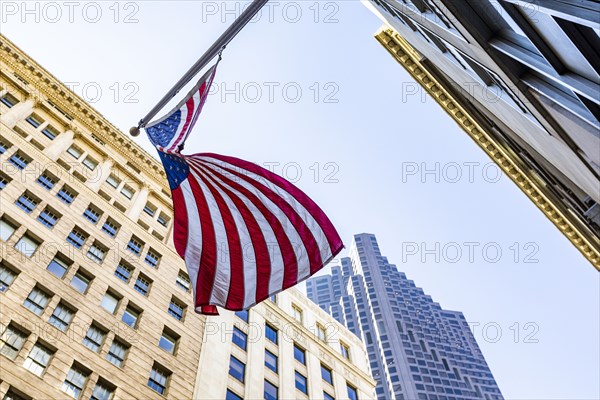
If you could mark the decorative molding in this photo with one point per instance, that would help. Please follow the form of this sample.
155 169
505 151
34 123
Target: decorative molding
45 83
566 221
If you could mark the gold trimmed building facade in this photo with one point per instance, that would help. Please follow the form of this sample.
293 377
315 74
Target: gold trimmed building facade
518 96
93 298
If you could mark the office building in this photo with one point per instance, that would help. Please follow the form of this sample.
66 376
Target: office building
94 301
522 79
283 348
417 350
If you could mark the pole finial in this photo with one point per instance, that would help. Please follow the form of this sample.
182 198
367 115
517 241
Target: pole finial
134 131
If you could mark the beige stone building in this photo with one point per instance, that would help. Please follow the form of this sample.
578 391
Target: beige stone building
285 348
94 302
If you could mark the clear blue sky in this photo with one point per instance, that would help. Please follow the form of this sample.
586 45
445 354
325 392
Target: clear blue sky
370 136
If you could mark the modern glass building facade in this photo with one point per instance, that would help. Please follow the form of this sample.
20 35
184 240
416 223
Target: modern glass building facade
417 350
522 78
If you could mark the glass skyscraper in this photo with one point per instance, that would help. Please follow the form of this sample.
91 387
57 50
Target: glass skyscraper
417 350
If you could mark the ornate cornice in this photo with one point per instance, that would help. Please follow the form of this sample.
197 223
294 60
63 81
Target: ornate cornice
573 227
49 86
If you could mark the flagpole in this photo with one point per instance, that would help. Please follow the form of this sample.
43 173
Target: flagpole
216 47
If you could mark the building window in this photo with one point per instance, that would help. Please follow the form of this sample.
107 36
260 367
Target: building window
34 120
232 396
117 353
38 359
66 194
271 361
102 391
37 301
123 271
159 378
301 383
183 281
6 229
163 219
270 391
92 214
168 341
4 145
239 338
46 180
127 191
4 180
50 132
75 152
110 227
273 299
142 284
176 309
90 163
62 316
27 202
48 217
12 341
237 369
327 396
109 302
271 333
321 333
326 374
113 181
7 277
131 315
19 160
135 245
299 354
94 338
243 315
9 100
74 382
152 258
80 282
352 392
297 313
345 350
150 209
77 238
97 252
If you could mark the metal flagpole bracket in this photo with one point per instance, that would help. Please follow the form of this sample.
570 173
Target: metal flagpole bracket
215 49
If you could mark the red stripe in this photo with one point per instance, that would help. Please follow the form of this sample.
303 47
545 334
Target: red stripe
259 244
333 238
189 104
235 297
180 221
208 259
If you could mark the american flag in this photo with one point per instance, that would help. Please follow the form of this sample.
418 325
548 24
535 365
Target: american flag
244 232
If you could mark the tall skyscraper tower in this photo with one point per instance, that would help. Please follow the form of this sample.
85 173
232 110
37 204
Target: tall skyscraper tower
417 350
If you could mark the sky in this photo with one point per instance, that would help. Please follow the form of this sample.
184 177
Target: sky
306 91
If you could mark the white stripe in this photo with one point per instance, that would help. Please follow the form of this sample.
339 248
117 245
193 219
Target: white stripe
249 265
277 266
184 113
308 219
223 267
193 250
